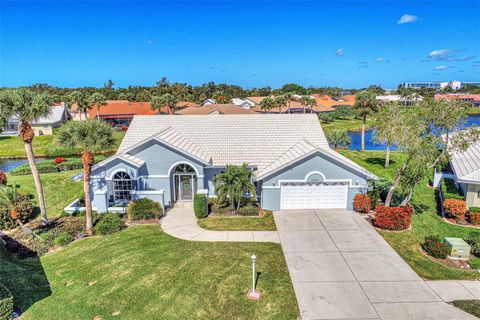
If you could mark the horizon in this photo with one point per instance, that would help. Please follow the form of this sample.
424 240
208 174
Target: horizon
250 44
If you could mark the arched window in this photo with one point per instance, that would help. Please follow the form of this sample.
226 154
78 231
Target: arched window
122 186
184 168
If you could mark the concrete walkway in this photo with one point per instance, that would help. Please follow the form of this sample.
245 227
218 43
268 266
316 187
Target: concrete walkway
341 268
182 223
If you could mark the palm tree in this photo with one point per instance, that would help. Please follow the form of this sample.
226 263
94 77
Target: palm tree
90 136
267 104
280 102
366 104
339 138
306 101
78 98
97 100
232 185
221 97
28 106
289 97
167 101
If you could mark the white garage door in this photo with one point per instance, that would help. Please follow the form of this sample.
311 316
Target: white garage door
311 196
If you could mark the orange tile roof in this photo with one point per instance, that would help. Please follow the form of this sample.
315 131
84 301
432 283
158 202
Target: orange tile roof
125 108
325 103
214 108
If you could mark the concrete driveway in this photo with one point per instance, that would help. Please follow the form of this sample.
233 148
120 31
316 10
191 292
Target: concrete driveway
341 268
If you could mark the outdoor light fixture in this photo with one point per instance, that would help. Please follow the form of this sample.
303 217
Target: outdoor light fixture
252 293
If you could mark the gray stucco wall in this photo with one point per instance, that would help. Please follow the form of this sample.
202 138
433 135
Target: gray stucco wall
331 169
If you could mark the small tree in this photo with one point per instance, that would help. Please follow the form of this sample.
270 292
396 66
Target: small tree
386 126
306 101
339 138
280 102
221 97
267 104
167 101
97 100
365 105
81 101
233 184
90 136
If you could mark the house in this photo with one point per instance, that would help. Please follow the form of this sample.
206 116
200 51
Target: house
44 125
324 103
244 103
208 101
121 112
170 159
473 99
466 169
214 109
407 101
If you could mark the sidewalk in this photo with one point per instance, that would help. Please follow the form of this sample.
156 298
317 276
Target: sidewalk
181 223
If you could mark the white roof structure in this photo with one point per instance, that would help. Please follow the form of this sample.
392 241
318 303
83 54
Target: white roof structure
466 165
266 141
57 114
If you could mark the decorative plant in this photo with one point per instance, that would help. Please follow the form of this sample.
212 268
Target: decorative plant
3 178
435 247
455 208
393 218
362 203
59 160
232 185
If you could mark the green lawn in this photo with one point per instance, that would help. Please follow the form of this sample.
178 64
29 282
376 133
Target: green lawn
59 189
470 306
213 222
424 223
473 110
347 124
43 146
142 273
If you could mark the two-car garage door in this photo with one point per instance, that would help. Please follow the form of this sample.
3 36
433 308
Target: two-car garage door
313 195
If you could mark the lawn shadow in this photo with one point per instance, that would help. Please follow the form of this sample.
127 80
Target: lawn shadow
22 273
257 277
378 161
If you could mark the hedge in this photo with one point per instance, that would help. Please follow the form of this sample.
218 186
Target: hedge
144 209
109 223
362 203
200 205
449 190
6 303
393 218
455 208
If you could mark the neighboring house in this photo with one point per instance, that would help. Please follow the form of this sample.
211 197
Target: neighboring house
171 158
44 125
324 103
186 104
474 99
244 103
466 168
214 109
121 112
408 101
208 101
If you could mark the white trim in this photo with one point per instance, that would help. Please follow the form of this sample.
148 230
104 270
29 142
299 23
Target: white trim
182 162
121 170
160 176
346 197
350 182
315 172
140 192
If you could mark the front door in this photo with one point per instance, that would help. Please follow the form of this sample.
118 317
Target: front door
186 188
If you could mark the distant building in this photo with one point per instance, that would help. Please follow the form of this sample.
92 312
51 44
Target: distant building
244 103
474 99
214 109
454 84
408 101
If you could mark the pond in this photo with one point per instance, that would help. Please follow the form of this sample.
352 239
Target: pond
7 165
370 145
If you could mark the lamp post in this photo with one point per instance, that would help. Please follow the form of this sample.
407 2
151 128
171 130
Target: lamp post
254 258
252 293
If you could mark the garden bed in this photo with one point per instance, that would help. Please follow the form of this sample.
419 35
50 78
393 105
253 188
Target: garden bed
452 263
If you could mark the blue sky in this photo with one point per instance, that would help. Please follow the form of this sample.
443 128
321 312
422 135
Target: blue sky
347 44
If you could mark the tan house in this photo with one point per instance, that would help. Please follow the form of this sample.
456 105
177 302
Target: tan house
466 168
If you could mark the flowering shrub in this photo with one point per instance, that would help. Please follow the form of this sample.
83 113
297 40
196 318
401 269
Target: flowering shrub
434 247
393 218
362 203
124 128
455 208
59 160
3 178
474 217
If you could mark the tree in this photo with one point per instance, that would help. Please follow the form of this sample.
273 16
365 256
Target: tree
78 98
11 199
365 105
343 112
28 106
221 97
267 104
167 101
289 97
97 100
233 184
386 126
280 102
306 101
90 136
339 138
428 133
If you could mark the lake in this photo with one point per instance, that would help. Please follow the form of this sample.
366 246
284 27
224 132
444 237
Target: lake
10 164
370 145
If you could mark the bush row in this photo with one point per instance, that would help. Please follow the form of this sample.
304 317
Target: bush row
449 190
50 166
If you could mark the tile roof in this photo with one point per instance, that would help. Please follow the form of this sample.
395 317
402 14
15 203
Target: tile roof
124 107
462 96
214 109
466 165
266 141
186 104
57 114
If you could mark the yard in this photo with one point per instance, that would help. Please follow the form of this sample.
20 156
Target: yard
425 222
43 146
213 222
142 273
351 124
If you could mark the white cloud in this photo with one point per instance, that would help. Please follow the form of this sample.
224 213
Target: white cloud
340 52
440 68
149 41
380 59
441 54
407 18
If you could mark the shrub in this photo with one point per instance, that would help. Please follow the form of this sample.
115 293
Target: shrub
24 212
393 218
200 204
435 247
70 164
124 128
455 208
59 160
473 239
449 190
144 209
362 203
3 178
63 239
248 210
109 223
6 303
474 217
378 190
43 167
474 209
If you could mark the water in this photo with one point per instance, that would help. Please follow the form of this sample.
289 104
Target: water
370 145
10 164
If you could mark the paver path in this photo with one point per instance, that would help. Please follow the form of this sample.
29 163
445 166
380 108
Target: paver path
341 268
182 223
